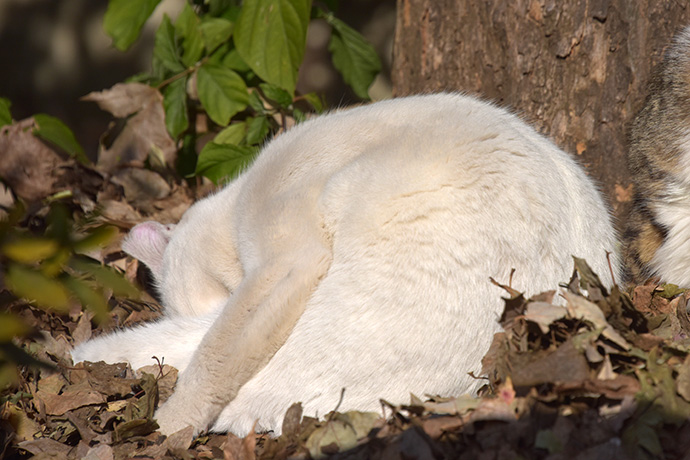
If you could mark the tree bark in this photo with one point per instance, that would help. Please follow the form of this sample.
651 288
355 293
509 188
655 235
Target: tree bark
576 69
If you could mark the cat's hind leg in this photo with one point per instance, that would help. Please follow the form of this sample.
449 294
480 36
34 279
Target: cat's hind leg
256 321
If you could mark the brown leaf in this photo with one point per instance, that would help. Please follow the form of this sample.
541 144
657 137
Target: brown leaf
28 166
59 404
144 407
564 364
166 377
617 388
100 452
119 212
543 314
683 380
437 426
58 347
45 446
86 433
292 420
240 449
495 362
181 439
24 427
581 308
642 297
647 341
138 427
82 332
144 132
123 99
51 383
678 306
451 406
493 409
109 379
606 372
141 186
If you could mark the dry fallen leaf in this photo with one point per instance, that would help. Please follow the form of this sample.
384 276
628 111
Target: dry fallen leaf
29 166
581 308
144 131
240 449
71 399
543 314
340 433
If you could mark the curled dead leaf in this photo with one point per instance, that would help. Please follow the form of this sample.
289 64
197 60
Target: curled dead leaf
29 166
240 449
144 131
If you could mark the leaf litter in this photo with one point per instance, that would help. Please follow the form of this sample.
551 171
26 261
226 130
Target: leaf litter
582 373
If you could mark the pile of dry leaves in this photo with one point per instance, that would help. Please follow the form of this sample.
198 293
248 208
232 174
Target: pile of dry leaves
602 375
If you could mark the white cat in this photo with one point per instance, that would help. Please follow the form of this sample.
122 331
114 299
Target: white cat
356 253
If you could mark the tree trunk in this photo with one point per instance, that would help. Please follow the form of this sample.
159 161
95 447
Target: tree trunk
576 69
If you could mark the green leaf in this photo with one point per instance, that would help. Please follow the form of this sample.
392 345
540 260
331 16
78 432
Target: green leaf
219 162
315 101
256 103
257 130
185 164
5 115
105 277
175 106
97 238
215 31
222 92
670 291
219 7
53 266
276 94
298 115
12 326
270 35
17 355
55 131
89 298
141 77
187 26
332 5
28 250
234 61
35 286
353 56
165 49
233 134
139 427
548 440
124 19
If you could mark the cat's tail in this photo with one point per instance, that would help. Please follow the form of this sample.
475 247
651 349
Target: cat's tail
172 340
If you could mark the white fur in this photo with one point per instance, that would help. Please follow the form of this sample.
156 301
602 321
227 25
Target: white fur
356 253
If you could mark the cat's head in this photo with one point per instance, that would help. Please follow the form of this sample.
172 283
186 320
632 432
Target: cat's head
147 242
192 270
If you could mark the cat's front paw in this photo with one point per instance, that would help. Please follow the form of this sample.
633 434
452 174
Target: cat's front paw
178 413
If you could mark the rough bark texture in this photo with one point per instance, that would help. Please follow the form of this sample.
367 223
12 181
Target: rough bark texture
576 69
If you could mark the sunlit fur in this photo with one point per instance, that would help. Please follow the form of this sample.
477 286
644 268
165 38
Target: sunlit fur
356 253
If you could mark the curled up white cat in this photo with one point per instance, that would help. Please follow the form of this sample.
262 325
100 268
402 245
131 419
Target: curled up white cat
356 253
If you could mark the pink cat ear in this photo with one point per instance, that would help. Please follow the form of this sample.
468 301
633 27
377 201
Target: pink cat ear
147 242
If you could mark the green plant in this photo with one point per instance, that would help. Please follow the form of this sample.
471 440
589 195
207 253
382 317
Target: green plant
50 270
236 63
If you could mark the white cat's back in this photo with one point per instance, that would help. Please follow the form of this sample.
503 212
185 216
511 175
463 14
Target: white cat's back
424 199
